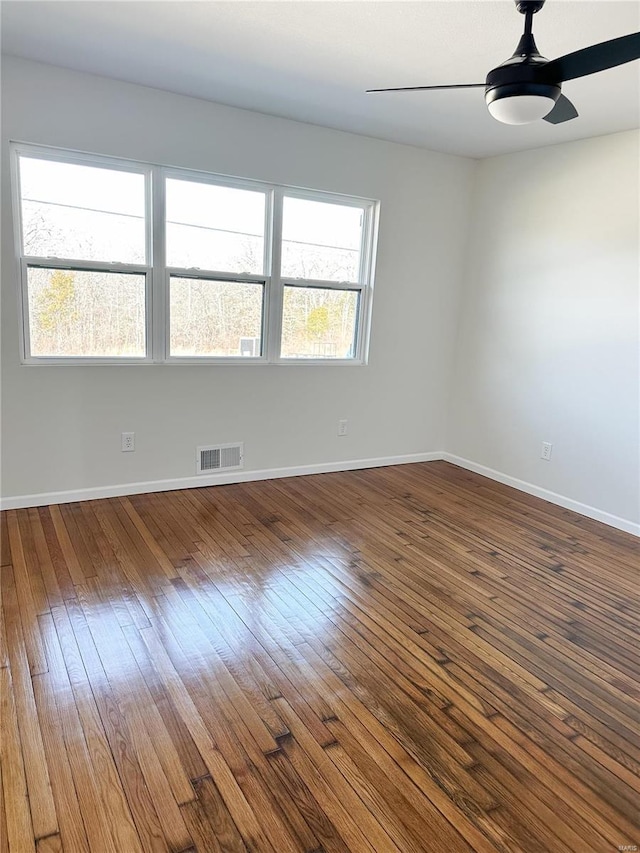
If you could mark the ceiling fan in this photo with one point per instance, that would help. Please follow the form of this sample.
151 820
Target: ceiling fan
527 86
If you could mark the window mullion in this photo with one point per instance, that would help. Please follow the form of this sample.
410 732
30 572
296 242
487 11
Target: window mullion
159 284
274 307
267 268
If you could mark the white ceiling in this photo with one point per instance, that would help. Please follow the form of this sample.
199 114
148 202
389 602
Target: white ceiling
312 61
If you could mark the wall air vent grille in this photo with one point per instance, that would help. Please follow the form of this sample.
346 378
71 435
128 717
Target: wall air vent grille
219 457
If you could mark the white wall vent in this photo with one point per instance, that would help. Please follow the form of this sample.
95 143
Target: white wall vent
219 457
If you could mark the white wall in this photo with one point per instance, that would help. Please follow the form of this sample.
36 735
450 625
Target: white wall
548 345
61 425
539 343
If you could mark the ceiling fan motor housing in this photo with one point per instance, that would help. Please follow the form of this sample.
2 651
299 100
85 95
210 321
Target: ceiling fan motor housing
521 75
495 92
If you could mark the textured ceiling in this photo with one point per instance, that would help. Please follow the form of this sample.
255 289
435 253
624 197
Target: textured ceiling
312 61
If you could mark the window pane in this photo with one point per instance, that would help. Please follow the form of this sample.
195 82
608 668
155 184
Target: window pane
82 212
216 318
86 313
321 241
319 323
214 228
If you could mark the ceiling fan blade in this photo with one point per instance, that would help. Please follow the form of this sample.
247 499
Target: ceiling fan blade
563 111
598 57
426 88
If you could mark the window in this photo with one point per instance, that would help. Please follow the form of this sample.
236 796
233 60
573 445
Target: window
323 276
215 318
85 313
320 240
319 322
84 242
130 263
214 227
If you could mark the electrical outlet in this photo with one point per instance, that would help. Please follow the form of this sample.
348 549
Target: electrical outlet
128 441
342 426
545 453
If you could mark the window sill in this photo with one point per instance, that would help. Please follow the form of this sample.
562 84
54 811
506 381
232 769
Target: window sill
192 362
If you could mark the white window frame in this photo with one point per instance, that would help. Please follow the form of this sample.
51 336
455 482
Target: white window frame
55 263
203 274
363 286
158 274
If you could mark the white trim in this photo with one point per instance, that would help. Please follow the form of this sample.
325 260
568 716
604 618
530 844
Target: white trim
173 173
369 250
325 197
46 498
78 158
16 211
552 497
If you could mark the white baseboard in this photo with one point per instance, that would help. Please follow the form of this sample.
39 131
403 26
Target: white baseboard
46 498
20 501
546 495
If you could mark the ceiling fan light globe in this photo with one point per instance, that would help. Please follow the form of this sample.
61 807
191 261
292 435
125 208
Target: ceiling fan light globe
521 109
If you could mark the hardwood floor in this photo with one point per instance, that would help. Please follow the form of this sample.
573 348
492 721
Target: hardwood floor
400 659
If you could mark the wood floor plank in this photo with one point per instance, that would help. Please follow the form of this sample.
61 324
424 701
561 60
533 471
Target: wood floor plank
246 821
41 802
58 762
4 651
373 736
240 672
5 547
210 824
71 560
20 835
84 547
58 703
388 660
189 757
62 575
352 820
322 834
28 610
44 561
32 564
50 844
240 751
4 841
117 808
154 810
149 539
127 683
235 696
